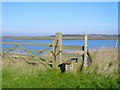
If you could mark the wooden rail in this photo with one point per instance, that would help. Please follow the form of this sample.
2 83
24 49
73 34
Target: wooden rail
30 44
20 49
73 47
73 54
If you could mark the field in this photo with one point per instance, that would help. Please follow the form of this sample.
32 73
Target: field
102 73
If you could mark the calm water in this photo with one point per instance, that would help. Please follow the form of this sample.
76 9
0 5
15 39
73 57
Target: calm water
92 44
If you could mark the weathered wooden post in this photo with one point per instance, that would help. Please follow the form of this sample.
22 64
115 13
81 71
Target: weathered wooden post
85 51
53 51
116 42
60 46
57 50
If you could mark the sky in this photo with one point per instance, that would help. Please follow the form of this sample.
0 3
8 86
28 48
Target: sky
47 18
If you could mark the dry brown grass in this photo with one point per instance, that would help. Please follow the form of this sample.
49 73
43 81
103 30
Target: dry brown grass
105 61
23 67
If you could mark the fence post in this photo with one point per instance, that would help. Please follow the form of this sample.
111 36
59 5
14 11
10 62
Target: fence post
116 42
53 51
58 48
85 51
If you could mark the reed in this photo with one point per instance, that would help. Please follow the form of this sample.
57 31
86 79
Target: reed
105 61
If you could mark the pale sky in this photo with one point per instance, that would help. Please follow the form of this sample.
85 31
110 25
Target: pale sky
38 18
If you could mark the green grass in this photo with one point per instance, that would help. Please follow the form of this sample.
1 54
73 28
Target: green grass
102 73
54 79
32 77
0 79
0 74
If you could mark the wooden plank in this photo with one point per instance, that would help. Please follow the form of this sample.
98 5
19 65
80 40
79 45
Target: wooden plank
72 54
30 44
69 61
73 47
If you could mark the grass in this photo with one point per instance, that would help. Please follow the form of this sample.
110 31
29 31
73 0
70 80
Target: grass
100 74
105 61
54 79
0 73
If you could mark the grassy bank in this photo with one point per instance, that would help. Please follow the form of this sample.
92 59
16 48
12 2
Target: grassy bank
102 73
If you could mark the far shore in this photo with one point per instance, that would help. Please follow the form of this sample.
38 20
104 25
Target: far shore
109 37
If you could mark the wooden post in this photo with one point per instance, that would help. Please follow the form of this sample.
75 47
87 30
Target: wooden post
72 66
58 48
116 42
85 51
53 51
68 67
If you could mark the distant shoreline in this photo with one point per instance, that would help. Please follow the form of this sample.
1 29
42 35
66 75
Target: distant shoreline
46 38
64 37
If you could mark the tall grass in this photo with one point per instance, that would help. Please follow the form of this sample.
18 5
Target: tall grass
105 61
23 75
0 77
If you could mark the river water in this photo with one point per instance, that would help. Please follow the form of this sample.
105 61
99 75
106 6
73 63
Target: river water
92 44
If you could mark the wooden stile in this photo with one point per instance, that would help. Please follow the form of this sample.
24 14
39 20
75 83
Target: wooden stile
57 53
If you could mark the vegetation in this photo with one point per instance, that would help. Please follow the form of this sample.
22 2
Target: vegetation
54 79
105 61
0 73
102 73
